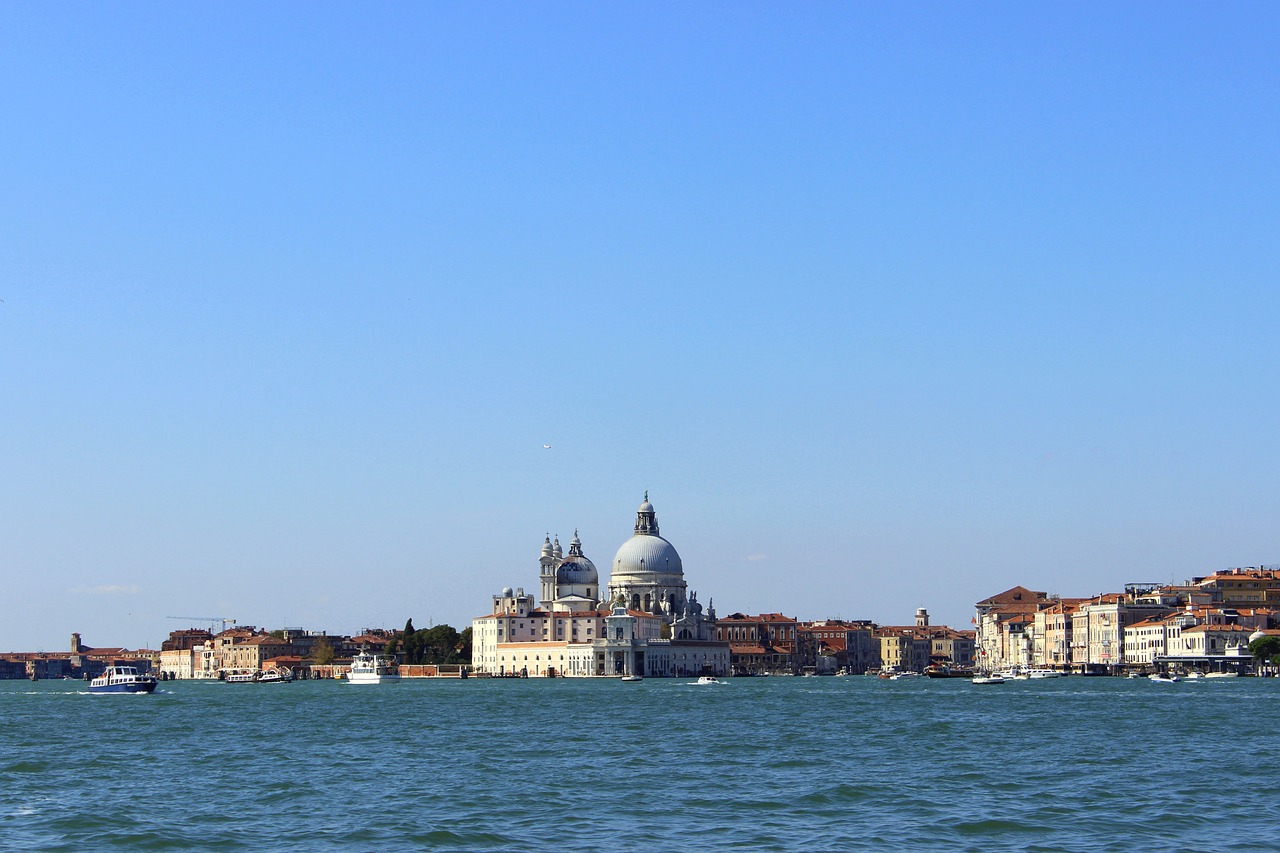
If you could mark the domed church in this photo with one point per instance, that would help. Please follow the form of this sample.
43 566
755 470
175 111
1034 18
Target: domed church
649 623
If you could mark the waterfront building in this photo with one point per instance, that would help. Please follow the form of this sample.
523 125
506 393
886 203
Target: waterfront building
833 645
1051 627
1098 627
903 648
1243 587
1005 623
760 644
649 623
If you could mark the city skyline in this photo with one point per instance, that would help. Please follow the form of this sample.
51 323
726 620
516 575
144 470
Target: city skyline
886 308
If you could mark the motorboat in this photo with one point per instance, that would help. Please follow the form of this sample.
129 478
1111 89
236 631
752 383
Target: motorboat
988 679
947 671
632 678
373 669
898 676
1044 673
707 679
1227 674
123 679
275 675
1162 678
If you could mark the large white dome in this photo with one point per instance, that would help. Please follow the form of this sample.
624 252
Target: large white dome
647 552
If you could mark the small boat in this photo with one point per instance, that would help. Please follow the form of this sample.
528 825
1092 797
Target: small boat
707 679
988 679
373 669
632 678
1227 674
1163 679
123 679
898 676
275 675
1194 675
1044 673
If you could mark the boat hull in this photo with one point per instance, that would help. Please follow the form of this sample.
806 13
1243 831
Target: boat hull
367 678
138 687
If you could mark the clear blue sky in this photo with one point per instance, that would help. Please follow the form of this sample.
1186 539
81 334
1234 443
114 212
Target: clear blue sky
887 305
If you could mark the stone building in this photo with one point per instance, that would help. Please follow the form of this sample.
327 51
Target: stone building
648 623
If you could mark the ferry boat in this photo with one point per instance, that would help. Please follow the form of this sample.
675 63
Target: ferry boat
123 679
948 671
373 669
239 676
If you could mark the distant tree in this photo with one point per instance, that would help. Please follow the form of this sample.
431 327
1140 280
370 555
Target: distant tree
278 634
322 652
408 626
464 645
1265 648
393 646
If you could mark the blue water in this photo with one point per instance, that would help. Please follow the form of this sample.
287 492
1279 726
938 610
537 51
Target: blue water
1072 764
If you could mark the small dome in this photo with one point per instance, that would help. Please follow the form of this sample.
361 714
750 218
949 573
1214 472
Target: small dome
1257 635
577 569
506 592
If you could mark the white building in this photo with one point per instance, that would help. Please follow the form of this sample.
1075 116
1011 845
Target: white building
649 625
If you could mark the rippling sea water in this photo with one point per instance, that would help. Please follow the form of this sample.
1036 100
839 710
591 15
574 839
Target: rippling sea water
1071 764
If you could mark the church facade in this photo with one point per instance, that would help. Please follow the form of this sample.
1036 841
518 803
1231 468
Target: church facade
645 622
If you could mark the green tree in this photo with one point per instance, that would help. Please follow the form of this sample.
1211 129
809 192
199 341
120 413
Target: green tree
322 652
1265 648
464 645
278 634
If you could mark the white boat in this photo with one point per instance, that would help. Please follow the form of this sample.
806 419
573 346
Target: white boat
898 676
1044 673
373 669
123 679
632 678
988 679
1195 675
1163 679
707 679
240 676
1229 674
275 675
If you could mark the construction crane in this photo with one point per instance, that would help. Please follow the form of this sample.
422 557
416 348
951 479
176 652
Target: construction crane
212 620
